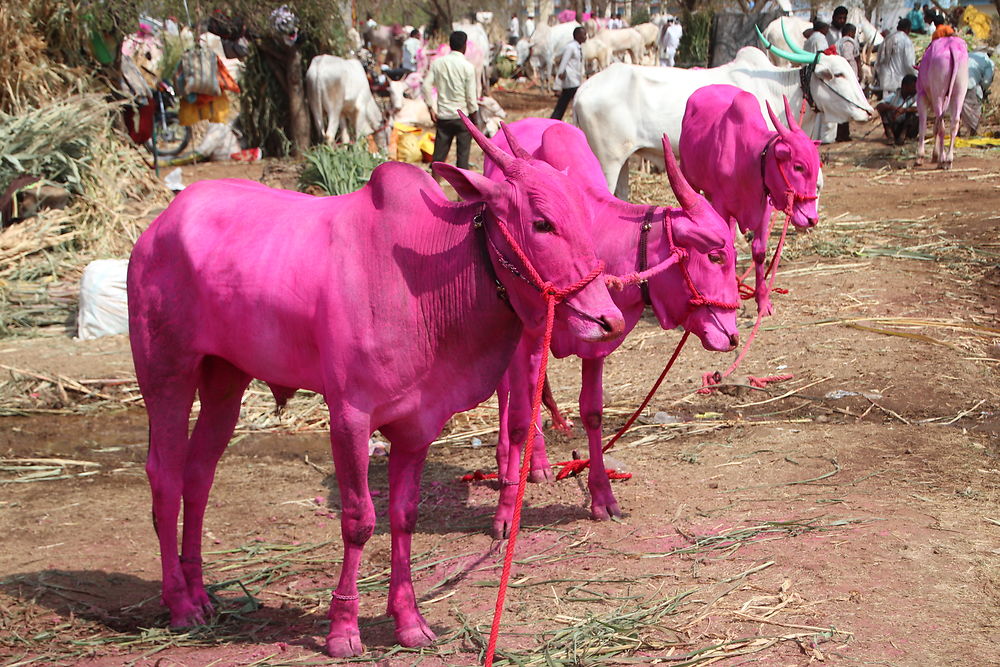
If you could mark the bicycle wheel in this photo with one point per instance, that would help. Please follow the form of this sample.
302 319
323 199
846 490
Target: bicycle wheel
172 139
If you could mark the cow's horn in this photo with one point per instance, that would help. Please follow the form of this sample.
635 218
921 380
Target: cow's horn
515 147
787 55
792 125
688 198
500 157
792 45
778 125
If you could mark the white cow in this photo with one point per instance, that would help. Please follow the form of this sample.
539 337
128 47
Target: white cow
340 99
650 35
868 35
627 108
596 55
558 37
625 40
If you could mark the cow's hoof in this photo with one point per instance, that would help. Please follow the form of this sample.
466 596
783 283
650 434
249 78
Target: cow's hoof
541 476
420 635
919 162
501 529
563 425
945 165
189 616
605 511
344 647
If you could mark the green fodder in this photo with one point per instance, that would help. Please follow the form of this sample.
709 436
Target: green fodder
337 171
695 40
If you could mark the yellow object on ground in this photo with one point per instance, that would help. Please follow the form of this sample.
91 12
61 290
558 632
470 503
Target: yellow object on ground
978 21
212 109
975 142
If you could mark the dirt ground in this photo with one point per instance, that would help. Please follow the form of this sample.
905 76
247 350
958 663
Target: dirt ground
848 515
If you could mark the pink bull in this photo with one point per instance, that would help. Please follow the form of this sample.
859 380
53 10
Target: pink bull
942 81
746 170
628 237
384 300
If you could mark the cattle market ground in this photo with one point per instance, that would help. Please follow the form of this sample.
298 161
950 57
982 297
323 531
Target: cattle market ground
846 516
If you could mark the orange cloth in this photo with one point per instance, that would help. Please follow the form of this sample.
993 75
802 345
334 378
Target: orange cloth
226 80
943 30
206 107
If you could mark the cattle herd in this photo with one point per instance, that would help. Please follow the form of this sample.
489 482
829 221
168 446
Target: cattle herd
402 308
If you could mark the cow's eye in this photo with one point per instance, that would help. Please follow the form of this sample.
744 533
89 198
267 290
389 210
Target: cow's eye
716 258
544 226
799 168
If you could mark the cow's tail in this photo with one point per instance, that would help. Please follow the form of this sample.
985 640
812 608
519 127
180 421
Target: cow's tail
952 78
315 99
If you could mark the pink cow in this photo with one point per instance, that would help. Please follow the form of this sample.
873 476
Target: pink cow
942 80
628 238
387 301
746 170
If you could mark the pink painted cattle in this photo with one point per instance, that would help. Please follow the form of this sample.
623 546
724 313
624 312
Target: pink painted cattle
746 170
384 300
628 238
942 81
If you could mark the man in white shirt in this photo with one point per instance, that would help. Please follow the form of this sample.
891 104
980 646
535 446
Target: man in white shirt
570 73
529 26
895 58
670 41
513 30
410 48
899 111
615 22
817 41
455 79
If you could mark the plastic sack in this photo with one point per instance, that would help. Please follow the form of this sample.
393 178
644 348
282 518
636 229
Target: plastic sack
103 301
199 73
407 142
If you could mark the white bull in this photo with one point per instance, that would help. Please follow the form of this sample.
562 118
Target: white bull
340 100
627 108
868 35
625 40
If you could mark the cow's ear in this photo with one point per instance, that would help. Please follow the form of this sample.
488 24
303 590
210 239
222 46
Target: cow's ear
782 151
468 184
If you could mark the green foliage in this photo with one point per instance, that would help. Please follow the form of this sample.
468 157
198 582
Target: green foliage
338 171
694 43
639 16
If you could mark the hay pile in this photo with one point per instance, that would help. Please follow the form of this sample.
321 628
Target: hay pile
56 123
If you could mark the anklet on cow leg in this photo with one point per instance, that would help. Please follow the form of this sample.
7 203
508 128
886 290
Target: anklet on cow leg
344 598
507 482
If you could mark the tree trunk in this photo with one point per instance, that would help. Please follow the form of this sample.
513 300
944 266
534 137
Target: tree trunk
544 11
299 114
286 63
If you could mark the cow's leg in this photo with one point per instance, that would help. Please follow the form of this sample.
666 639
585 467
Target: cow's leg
349 432
938 155
617 172
503 436
168 397
956 123
222 386
921 128
523 374
603 505
406 463
758 250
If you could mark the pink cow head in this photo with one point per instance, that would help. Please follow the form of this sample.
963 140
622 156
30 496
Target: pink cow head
791 168
538 193
702 295
689 292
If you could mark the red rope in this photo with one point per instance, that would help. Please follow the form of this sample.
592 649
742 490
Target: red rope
708 380
552 296
508 557
579 465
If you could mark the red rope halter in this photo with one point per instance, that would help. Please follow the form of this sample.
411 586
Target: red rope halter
552 296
